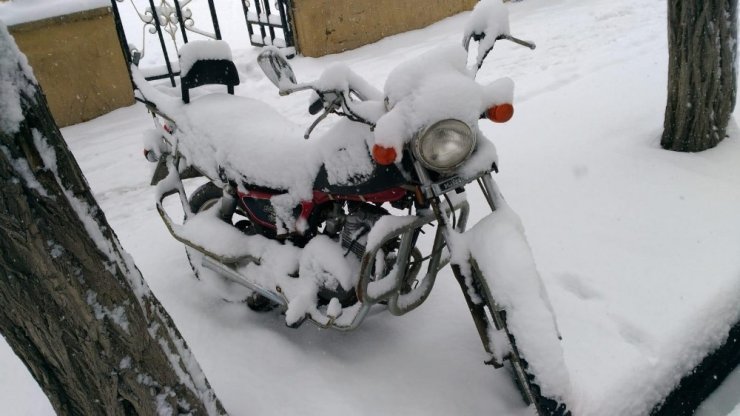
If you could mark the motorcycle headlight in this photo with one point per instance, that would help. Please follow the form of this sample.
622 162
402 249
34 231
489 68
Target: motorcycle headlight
445 145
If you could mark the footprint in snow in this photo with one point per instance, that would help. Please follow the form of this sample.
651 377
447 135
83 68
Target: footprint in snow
635 336
614 14
577 286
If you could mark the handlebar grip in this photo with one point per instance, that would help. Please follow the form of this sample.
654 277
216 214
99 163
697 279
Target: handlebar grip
518 41
315 107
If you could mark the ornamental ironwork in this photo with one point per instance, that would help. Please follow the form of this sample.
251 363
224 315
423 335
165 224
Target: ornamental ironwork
170 21
269 24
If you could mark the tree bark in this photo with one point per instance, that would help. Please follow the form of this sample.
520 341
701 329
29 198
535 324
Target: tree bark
73 306
702 48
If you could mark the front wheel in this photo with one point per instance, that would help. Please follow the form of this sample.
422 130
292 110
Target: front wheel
488 318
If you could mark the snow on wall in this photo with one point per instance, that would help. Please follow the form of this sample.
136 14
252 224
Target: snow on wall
15 12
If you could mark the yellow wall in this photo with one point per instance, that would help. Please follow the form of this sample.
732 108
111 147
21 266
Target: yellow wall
329 26
78 61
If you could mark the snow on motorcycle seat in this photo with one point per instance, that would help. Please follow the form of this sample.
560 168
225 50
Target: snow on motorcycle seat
204 62
250 142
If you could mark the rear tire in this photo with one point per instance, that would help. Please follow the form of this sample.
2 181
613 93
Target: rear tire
206 196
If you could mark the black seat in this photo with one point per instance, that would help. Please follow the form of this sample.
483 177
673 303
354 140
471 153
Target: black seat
205 62
220 71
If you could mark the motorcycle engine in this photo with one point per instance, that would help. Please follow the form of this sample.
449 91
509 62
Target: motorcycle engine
357 226
351 228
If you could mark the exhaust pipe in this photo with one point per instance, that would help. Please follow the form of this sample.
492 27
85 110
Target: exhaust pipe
237 278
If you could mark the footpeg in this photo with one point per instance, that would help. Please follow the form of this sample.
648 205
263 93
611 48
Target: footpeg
494 362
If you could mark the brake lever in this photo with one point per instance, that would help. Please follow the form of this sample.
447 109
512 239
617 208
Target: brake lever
330 109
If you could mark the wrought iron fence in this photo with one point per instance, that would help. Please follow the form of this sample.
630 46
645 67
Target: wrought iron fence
266 23
171 21
165 25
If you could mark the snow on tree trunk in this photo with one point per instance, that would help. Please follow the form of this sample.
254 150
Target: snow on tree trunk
702 43
73 306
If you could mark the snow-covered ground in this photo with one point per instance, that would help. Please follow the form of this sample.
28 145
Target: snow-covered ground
638 246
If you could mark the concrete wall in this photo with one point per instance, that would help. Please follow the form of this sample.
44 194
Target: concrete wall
330 26
78 61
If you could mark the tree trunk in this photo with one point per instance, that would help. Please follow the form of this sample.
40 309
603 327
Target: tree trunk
702 43
73 306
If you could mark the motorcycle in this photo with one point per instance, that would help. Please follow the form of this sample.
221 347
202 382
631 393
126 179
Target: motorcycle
327 229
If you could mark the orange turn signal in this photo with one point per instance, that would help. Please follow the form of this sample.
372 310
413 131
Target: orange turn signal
384 155
500 113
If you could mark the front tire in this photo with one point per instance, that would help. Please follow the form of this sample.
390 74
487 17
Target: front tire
484 314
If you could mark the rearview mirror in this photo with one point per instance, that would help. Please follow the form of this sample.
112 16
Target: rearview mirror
276 68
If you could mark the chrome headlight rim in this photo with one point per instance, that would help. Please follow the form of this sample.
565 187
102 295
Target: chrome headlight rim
461 125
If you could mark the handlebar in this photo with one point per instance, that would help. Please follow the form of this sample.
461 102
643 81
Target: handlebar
518 41
482 54
337 96
331 101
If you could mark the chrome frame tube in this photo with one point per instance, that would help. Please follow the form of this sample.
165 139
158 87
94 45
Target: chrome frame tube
490 191
406 234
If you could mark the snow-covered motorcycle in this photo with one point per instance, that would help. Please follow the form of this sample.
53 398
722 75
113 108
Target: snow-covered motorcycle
328 228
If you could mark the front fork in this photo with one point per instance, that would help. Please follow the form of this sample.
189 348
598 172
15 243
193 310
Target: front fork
482 320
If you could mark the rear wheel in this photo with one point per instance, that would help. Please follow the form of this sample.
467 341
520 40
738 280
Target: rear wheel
205 197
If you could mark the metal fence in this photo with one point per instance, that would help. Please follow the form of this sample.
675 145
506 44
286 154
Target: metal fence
152 31
265 24
167 21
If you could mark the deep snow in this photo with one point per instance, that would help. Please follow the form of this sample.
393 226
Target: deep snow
637 246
